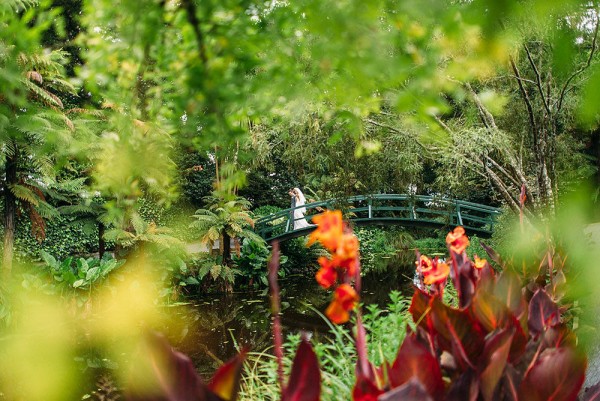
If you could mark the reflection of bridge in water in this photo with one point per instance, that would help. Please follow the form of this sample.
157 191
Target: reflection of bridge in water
387 209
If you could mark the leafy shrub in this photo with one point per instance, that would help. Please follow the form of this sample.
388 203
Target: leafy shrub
374 246
252 263
385 251
430 245
266 210
212 271
64 236
72 277
299 258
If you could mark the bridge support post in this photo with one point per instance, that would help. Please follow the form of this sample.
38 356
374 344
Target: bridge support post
458 216
370 208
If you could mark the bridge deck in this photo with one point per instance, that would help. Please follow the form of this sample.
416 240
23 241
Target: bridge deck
386 209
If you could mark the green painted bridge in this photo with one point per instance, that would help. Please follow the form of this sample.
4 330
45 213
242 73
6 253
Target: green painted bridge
386 209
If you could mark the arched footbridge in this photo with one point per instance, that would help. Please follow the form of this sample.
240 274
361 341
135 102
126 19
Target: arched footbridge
386 209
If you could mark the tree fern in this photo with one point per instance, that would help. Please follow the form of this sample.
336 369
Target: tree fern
15 6
25 193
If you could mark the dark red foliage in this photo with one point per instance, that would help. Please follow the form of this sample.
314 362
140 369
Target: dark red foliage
493 362
556 375
412 390
508 289
415 361
457 332
464 388
163 374
543 313
497 346
305 379
365 390
419 308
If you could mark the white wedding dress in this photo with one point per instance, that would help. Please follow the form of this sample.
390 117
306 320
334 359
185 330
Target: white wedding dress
299 220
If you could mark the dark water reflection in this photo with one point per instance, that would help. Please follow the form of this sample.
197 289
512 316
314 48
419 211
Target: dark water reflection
209 330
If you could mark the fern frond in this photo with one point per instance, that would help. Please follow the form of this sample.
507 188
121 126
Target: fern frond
138 223
252 236
16 6
77 210
47 211
25 194
46 97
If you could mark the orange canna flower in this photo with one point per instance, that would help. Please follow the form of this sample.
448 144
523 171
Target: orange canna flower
479 263
437 274
327 275
457 240
424 264
336 313
346 295
344 300
348 248
329 230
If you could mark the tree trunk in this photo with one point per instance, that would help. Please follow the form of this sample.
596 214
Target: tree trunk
226 249
10 212
101 242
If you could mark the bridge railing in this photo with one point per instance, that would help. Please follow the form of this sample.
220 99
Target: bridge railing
416 210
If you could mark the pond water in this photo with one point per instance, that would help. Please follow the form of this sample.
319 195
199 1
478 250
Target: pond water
215 324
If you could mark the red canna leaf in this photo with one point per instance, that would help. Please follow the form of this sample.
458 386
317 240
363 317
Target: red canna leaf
457 332
412 390
305 379
226 381
464 388
557 375
493 255
490 312
559 336
365 390
415 361
163 374
419 308
543 313
495 355
592 393
519 340
508 289
465 281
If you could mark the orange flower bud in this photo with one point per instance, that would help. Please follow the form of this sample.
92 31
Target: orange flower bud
479 263
437 274
457 240
424 264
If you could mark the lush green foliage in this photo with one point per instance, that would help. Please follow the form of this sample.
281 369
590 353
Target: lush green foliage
252 263
155 99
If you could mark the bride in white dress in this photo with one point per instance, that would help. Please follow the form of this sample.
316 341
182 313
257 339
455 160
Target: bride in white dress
300 200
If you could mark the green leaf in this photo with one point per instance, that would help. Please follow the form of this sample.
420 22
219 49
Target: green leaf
79 283
49 259
215 271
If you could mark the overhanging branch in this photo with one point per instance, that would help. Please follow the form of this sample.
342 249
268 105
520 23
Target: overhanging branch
582 69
